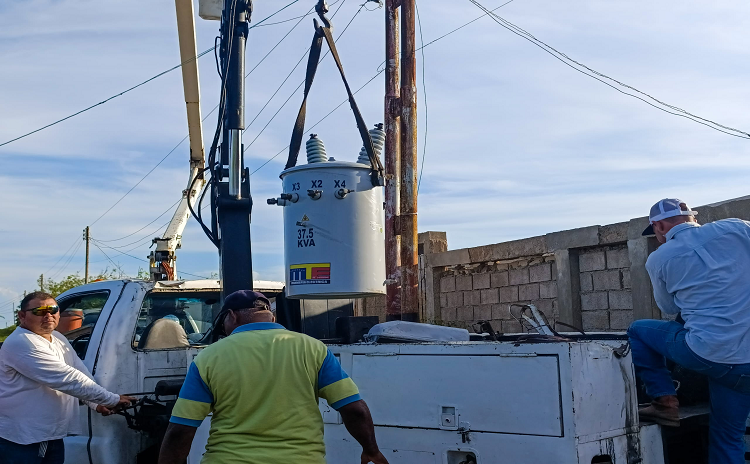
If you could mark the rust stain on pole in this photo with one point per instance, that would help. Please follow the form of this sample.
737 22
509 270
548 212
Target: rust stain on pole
408 198
392 161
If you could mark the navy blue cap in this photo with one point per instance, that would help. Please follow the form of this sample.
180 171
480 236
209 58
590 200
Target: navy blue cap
666 208
242 299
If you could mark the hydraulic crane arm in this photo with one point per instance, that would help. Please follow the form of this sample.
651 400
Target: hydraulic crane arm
163 260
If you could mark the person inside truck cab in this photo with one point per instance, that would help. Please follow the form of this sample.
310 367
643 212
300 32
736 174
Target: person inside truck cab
700 273
41 381
262 384
166 330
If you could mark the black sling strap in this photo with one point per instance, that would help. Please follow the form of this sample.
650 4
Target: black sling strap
323 32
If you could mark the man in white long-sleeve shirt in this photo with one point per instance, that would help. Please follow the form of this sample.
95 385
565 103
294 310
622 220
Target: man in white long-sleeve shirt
700 272
41 381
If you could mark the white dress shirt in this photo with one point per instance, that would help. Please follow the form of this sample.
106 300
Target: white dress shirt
40 384
703 272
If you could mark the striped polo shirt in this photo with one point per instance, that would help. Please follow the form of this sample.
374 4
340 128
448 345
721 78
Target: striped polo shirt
262 384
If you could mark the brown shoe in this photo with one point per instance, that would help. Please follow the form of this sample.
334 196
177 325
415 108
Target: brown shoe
663 410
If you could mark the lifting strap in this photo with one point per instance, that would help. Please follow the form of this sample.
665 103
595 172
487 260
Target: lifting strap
324 32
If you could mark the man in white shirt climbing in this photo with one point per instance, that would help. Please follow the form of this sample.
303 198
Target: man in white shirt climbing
701 273
41 381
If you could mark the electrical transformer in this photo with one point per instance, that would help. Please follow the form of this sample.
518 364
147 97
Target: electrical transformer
334 240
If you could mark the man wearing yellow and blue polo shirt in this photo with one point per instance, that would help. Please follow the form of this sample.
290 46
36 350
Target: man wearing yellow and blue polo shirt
262 384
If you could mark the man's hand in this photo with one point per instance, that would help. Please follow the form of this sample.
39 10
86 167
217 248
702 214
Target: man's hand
376 458
104 411
123 403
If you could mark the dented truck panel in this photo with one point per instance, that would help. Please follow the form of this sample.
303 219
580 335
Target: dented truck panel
492 402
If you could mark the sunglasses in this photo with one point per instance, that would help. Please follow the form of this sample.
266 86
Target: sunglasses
43 310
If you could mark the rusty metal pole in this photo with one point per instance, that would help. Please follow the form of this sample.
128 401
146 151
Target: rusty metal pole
392 120
408 199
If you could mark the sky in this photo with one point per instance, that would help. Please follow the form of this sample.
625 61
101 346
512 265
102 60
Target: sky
517 143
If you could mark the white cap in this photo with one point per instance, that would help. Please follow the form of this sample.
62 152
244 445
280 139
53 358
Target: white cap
667 208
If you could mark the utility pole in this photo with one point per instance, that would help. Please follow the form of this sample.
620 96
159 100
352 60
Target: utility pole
86 237
408 194
392 120
234 203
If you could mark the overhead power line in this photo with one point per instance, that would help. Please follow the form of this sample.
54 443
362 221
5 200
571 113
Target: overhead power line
609 81
424 97
145 261
204 52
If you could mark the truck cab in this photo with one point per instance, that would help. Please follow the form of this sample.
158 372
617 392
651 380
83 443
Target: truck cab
131 335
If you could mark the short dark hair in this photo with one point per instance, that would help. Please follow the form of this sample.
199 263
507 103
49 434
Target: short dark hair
38 295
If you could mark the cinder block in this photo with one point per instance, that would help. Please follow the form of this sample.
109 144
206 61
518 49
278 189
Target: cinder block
622 299
490 296
518 276
528 292
454 299
554 270
448 284
443 300
481 281
540 272
587 282
620 320
592 261
499 279
544 306
548 289
595 320
607 280
508 294
464 282
500 311
472 298
510 327
465 314
593 301
448 314
483 312
626 278
618 258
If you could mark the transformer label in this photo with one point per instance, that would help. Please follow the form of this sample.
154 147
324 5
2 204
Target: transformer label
305 238
304 274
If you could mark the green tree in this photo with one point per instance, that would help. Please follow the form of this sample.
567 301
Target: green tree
56 287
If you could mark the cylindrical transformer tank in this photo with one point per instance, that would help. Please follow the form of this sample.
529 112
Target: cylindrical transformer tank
333 231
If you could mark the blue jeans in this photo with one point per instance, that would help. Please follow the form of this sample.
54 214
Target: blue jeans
653 342
13 453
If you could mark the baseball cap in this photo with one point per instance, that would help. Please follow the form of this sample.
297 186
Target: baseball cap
242 299
666 208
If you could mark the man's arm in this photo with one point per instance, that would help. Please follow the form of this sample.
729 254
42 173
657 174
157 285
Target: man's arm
664 299
45 368
176 445
358 422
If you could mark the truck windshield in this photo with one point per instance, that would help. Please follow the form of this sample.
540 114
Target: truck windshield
174 320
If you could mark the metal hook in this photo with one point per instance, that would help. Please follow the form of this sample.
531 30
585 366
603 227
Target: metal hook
322 8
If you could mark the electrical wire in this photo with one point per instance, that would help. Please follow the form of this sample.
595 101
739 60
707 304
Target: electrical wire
190 60
117 266
145 261
302 83
609 81
67 262
320 120
292 19
133 233
63 256
424 97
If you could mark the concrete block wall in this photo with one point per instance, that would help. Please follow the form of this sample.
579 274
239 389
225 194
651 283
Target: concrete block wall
487 291
605 289
592 277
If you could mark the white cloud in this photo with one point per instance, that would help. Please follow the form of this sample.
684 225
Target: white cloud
518 144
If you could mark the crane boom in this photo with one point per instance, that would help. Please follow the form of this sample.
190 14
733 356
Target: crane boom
163 260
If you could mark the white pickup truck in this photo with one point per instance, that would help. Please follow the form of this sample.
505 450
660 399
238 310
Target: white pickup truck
520 399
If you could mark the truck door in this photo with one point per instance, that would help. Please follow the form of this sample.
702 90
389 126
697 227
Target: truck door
168 333
84 317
